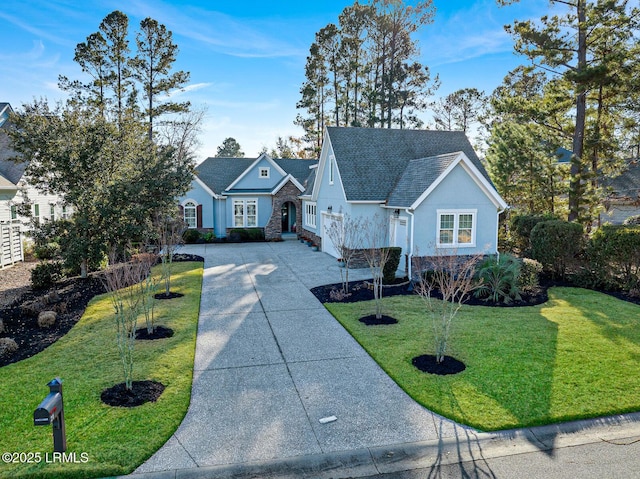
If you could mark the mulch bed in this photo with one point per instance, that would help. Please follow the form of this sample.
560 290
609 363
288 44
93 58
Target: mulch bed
159 332
371 320
74 295
427 364
171 295
141 392
360 291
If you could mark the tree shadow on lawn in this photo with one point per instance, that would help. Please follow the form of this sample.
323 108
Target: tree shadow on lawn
560 347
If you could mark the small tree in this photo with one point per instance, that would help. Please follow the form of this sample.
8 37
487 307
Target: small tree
346 237
453 277
147 288
376 253
169 235
121 280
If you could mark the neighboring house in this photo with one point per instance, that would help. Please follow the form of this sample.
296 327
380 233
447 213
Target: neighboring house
429 186
623 195
229 193
16 190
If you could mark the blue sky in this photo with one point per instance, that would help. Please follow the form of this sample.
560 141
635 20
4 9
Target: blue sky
246 58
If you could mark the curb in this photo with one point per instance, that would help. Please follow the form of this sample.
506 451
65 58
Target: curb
469 446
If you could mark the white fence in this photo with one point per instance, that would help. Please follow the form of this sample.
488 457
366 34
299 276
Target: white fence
10 245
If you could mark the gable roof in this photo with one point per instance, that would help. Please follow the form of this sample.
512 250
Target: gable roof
372 161
219 173
627 184
418 176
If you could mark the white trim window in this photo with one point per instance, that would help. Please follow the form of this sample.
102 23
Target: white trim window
245 213
310 214
456 228
265 172
190 214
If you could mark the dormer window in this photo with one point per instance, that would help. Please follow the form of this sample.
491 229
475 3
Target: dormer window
265 172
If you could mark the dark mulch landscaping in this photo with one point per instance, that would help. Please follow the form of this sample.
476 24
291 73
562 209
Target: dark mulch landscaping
427 364
360 291
371 320
73 295
22 326
159 332
171 295
141 392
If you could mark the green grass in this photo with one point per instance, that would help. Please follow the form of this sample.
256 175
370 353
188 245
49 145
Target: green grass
575 357
116 440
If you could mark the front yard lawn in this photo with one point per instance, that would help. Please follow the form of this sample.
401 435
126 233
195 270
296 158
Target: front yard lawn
115 440
576 356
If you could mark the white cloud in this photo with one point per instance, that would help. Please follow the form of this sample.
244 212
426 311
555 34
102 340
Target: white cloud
220 32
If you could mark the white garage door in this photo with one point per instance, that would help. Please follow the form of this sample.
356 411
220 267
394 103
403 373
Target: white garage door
327 244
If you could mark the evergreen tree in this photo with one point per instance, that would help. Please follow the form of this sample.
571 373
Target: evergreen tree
230 148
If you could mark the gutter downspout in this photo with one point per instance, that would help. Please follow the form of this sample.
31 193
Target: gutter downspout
410 272
498 230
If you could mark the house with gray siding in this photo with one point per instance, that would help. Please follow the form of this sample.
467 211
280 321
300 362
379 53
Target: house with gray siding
252 193
430 188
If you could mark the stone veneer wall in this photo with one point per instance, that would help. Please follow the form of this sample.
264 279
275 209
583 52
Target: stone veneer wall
312 236
289 192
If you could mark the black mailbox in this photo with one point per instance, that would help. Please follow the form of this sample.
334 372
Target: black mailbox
51 411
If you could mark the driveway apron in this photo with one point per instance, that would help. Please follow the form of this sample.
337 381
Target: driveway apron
271 362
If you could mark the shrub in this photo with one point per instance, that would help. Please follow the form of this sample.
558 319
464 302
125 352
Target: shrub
391 266
46 274
7 347
46 319
208 237
46 251
520 228
191 236
632 220
556 244
498 278
246 234
613 255
529 278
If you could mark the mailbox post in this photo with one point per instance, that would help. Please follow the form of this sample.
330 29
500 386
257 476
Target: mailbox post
51 411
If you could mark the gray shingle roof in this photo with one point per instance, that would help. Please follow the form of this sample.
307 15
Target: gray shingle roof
372 161
417 177
627 184
8 169
219 173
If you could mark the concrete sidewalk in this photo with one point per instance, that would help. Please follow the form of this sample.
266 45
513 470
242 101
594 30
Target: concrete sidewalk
271 362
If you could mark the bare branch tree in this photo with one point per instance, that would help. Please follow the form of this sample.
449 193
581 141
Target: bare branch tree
120 279
451 276
375 233
346 237
169 231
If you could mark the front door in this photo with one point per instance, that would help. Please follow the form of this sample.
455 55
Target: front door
288 214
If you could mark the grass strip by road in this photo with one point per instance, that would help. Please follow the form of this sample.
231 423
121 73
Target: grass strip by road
106 440
576 356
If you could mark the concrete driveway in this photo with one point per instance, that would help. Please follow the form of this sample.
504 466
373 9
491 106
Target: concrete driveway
271 362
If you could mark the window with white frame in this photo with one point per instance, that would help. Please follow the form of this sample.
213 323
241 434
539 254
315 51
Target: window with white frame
456 228
265 172
52 212
14 212
245 213
190 214
310 214
65 212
